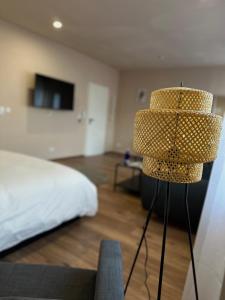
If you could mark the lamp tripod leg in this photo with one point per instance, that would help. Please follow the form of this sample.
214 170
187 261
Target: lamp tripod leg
166 217
155 198
190 240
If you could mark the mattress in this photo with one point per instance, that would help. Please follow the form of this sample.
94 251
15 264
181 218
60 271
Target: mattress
38 195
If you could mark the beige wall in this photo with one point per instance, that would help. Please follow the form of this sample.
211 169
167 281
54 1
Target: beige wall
212 79
33 131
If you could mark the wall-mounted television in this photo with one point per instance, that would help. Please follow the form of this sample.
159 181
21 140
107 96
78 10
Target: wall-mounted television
53 93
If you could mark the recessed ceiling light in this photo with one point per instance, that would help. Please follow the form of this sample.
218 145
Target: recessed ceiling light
57 24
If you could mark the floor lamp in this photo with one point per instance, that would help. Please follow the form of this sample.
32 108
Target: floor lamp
175 136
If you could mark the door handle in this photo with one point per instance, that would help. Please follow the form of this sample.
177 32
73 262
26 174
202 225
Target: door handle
91 120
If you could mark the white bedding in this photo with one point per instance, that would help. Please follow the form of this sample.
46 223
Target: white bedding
37 195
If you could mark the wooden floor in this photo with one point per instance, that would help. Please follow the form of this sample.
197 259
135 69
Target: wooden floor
120 217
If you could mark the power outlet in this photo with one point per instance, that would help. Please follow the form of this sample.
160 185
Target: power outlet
51 149
118 145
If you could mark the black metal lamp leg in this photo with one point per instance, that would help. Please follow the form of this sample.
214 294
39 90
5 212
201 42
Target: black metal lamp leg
166 217
190 240
143 234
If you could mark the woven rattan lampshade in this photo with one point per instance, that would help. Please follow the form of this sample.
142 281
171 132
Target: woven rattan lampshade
177 134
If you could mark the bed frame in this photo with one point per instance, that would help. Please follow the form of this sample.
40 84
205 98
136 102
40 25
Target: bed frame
27 242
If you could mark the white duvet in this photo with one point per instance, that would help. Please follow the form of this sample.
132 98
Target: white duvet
38 195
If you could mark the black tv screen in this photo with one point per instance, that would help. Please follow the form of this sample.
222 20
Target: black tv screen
52 93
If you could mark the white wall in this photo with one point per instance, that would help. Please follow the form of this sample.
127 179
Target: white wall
33 131
210 240
211 79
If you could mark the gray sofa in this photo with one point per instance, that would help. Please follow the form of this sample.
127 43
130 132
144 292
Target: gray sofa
196 198
20 281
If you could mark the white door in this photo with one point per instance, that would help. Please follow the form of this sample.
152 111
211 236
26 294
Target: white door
97 116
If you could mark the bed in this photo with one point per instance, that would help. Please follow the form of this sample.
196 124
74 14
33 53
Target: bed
37 196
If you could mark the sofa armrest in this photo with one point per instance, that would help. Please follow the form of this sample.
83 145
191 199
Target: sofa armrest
109 280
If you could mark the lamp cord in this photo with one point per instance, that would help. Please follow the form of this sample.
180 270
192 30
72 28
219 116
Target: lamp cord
152 204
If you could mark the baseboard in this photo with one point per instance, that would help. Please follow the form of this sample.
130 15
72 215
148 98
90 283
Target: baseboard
67 157
113 153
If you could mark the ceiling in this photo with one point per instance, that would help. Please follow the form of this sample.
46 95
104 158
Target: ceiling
130 34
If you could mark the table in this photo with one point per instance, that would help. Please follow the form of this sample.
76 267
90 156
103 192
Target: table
132 184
